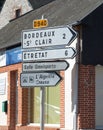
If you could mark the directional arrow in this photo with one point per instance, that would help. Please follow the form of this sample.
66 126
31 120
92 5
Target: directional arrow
66 53
39 79
45 66
54 36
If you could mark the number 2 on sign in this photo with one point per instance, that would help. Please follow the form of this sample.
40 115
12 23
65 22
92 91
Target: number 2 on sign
64 36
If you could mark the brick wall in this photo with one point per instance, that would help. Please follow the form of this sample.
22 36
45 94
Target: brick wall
22 102
34 128
11 111
86 97
12 100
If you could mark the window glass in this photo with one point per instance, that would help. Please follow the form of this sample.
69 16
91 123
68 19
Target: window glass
35 105
52 105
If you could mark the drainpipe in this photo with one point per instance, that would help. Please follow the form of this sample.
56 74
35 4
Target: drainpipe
78 27
75 111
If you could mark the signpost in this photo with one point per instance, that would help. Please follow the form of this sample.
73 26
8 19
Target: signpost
55 36
45 66
39 79
66 53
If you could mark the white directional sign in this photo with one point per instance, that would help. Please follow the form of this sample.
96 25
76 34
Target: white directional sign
45 66
48 37
66 53
39 79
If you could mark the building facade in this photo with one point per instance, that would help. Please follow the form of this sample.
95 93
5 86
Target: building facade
75 103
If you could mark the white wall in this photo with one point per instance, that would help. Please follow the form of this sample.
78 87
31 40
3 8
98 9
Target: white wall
99 96
3 97
70 91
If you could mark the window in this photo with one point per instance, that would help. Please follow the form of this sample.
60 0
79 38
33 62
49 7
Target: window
52 105
17 13
1 4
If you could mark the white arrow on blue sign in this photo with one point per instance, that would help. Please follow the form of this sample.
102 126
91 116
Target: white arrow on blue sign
39 79
66 53
54 36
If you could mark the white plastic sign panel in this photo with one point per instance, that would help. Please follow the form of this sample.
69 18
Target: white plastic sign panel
45 66
54 36
66 53
42 79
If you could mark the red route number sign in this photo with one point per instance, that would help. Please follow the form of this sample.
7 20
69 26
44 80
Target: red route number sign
39 23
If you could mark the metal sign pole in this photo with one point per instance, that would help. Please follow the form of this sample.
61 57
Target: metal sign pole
42 107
